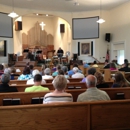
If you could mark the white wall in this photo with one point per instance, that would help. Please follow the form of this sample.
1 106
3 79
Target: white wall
117 23
100 45
120 26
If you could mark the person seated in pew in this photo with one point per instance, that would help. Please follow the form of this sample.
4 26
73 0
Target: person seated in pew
100 81
120 81
113 66
61 72
95 64
107 65
65 70
85 64
77 74
58 95
31 68
1 69
57 69
13 73
47 74
37 85
31 81
125 67
92 93
26 74
4 87
71 72
91 71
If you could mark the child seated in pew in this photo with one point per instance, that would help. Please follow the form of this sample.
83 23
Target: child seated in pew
58 95
120 81
100 81
37 85
31 81
4 87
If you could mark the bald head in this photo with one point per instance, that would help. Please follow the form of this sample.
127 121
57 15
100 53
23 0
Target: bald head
91 81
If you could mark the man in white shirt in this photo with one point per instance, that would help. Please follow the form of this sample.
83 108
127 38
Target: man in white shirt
47 73
77 74
92 93
31 81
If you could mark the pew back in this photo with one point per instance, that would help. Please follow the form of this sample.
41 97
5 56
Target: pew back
108 115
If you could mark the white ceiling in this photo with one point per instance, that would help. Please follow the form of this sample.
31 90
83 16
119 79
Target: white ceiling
64 5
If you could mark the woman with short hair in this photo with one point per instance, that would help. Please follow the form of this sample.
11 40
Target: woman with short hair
58 95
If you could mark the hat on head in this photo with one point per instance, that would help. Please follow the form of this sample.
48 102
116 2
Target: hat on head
5 78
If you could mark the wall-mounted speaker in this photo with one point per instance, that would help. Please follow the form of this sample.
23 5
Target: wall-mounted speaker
18 25
78 48
91 48
107 37
62 28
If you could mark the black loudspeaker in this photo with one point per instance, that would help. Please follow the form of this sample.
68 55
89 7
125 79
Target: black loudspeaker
78 48
75 56
107 37
62 28
18 25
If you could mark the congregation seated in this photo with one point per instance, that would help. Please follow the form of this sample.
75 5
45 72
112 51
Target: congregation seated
71 72
47 74
31 81
100 81
57 69
95 64
58 95
107 65
77 74
4 86
26 74
37 85
65 70
92 93
91 71
120 81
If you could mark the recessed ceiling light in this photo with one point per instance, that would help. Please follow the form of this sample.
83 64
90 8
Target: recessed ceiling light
46 14
37 14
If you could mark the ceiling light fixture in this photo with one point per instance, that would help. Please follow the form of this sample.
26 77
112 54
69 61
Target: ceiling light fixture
42 25
13 14
100 18
46 14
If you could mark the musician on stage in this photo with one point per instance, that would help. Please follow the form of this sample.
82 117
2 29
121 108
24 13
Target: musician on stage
60 52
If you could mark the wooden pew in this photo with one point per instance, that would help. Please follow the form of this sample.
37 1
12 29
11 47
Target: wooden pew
47 81
66 116
71 85
103 115
110 115
25 97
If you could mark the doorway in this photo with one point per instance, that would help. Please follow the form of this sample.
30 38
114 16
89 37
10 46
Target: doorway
118 52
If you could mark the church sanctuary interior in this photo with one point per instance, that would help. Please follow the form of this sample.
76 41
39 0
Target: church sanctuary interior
65 32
